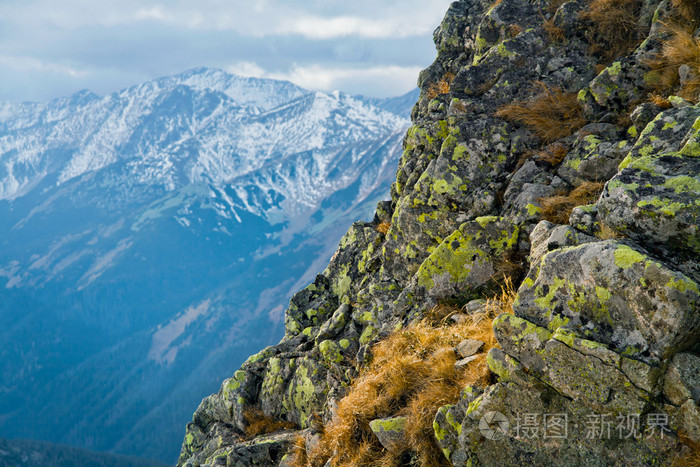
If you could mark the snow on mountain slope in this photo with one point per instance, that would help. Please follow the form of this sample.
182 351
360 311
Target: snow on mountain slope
200 125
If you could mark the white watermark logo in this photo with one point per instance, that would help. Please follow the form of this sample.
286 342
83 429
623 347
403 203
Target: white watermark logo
494 425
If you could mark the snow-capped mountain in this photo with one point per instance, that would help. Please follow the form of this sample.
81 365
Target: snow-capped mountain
150 238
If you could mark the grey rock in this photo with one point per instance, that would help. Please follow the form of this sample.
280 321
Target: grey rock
469 347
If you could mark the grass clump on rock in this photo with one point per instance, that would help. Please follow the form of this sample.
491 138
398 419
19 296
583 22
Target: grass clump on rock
412 374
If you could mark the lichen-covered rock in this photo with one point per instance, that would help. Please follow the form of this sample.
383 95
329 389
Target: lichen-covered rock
262 451
389 431
465 263
614 294
546 237
595 155
654 197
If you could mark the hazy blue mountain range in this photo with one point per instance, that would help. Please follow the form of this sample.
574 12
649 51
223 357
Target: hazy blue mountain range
150 239
24 453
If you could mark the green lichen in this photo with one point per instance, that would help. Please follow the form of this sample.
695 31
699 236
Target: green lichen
614 69
546 301
602 293
557 322
533 210
521 328
683 184
486 220
497 367
460 152
330 351
368 334
683 285
301 394
626 257
395 424
474 405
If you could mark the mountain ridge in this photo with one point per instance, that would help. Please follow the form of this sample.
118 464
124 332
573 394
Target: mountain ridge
158 205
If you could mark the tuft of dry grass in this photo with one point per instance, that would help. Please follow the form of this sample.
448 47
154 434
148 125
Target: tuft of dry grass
557 209
514 30
680 49
688 11
297 454
614 30
257 423
692 458
657 99
383 227
606 232
554 5
412 374
551 115
442 86
556 34
553 154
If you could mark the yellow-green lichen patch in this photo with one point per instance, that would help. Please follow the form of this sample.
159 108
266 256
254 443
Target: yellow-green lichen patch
626 257
545 296
440 432
460 153
533 210
368 334
497 367
683 285
521 329
394 424
557 322
485 220
683 184
471 245
330 351
231 384
301 394
474 405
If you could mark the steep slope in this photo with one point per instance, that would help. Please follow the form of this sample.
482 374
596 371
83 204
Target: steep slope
139 227
550 146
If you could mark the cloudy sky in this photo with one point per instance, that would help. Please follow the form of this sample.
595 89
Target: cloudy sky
52 48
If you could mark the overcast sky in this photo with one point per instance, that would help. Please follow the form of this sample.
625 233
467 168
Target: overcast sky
52 48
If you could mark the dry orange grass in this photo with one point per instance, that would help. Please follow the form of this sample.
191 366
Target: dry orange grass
514 30
661 101
556 34
297 453
442 86
692 458
553 154
606 232
614 30
412 373
383 227
688 11
551 115
555 4
557 209
260 424
682 48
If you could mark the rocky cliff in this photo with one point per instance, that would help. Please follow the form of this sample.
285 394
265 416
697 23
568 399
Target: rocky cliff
555 146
